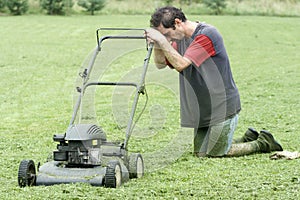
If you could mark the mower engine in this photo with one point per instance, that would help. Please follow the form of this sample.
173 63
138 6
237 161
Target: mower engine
80 146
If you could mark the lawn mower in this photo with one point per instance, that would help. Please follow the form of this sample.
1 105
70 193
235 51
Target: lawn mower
83 154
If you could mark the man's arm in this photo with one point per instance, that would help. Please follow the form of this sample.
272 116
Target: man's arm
159 57
166 51
175 59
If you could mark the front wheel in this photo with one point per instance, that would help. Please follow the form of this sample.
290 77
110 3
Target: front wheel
113 175
27 173
136 166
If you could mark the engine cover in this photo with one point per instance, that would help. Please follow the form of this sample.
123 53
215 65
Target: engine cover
85 132
81 145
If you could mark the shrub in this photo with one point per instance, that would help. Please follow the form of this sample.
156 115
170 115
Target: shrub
168 2
215 5
17 7
54 7
2 4
92 5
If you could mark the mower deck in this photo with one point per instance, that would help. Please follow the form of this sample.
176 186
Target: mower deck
54 172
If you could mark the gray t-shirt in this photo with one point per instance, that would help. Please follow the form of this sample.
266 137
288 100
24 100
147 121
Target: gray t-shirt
208 94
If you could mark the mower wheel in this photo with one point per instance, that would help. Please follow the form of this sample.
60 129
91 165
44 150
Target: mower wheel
136 166
27 173
113 175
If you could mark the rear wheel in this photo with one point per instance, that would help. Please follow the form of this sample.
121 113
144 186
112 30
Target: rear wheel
113 175
27 173
136 166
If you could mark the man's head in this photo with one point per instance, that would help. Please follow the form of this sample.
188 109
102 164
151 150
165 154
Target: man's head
166 16
169 21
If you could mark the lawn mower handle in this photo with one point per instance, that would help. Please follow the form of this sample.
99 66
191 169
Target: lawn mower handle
140 89
99 40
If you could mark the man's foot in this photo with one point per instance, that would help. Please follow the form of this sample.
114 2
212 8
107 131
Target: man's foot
250 135
267 143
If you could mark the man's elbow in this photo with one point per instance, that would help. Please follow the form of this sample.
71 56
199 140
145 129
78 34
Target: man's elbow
160 65
184 64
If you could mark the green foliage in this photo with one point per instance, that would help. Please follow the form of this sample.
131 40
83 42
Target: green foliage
92 5
56 7
216 6
190 7
181 2
17 7
168 2
186 2
2 4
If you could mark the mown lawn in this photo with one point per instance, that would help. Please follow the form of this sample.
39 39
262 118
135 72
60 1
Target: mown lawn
41 56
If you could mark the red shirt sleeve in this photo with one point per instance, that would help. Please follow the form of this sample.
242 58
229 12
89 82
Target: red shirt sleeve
200 49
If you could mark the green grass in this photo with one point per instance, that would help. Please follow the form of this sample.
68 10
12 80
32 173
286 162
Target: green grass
40 59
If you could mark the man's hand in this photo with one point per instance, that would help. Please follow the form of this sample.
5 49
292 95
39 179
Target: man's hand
155 36
164 50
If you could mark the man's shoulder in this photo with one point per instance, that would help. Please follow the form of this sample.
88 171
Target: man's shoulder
206 29
209 31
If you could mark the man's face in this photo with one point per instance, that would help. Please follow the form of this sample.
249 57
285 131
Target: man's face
170 33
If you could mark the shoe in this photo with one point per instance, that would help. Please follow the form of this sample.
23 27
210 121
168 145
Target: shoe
250 135
267 142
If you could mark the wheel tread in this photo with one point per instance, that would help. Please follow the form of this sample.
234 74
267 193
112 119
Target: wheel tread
26 169
110 179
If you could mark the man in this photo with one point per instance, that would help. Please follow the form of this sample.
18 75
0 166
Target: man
209 98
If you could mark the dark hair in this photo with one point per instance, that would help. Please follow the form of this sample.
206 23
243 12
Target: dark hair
166 16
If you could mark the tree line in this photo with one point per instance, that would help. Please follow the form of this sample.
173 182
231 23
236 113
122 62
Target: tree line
52 7
59 7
